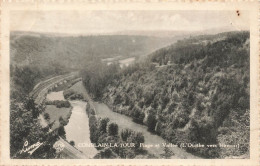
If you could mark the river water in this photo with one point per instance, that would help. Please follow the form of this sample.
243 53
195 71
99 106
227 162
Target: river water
77 129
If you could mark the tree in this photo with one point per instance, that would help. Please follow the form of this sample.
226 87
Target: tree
137 115
72 143
158 128
125 134
151 122
107 154
46 116
31 131
103 125
62 121
61 132
138 139
167 153
29 104
94 134
113 129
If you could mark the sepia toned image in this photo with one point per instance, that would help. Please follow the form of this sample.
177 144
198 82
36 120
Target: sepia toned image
131 84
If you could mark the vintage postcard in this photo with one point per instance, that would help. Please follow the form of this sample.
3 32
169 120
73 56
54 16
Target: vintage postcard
129 82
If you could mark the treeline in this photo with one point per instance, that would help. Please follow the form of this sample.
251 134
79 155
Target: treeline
69 94
200 96
59 103
102 131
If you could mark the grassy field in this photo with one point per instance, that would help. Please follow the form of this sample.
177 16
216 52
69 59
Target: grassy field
55 113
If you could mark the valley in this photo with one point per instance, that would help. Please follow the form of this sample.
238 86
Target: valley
192 91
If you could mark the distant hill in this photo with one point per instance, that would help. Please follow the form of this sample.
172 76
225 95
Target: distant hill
42 50
179 34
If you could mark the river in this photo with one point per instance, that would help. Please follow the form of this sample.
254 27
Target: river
77 129
150 139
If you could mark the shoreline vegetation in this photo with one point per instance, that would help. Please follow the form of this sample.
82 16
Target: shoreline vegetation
101 130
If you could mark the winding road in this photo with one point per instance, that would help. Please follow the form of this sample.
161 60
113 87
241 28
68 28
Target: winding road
41 89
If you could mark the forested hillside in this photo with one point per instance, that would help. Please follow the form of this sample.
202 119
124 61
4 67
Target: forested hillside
73 52
24 113
194 91
24 122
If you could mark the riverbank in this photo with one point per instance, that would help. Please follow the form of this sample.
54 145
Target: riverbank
125 122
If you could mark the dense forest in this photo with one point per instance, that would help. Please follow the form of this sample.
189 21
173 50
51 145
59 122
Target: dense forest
195 91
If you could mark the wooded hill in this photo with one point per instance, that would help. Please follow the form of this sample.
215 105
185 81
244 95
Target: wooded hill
194 91
73 52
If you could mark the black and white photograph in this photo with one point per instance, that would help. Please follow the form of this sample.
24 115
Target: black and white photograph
129 84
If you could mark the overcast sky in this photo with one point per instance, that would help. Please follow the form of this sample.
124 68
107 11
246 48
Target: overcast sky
86 22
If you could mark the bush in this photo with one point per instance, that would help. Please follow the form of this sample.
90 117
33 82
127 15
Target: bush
59 103
68 93
76 97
